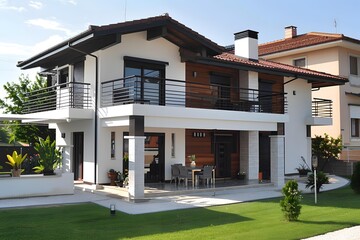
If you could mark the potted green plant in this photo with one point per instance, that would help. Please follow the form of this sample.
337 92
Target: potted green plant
192 159
49 156
113 176
241 175
15 161
303 170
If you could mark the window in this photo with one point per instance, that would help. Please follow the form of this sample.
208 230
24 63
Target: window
78 75
353 65
64 75
355 127
173 145
300 62
148 85
221 91
112 144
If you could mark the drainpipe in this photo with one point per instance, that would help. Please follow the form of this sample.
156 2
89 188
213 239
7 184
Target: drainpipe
96 107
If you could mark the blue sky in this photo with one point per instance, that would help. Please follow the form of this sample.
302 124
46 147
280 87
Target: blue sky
30 26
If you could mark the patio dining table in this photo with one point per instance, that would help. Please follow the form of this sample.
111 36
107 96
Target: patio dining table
199 169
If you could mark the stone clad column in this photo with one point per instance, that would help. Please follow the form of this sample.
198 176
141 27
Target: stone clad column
277 149
136 157
136 167
249 157
254 155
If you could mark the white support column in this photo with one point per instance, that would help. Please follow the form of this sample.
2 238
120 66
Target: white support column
136 167
277 148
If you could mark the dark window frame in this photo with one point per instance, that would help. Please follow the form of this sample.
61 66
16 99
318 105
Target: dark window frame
355 127
299 60
146 64
354 65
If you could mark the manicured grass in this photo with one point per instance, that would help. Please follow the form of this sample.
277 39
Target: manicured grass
255 220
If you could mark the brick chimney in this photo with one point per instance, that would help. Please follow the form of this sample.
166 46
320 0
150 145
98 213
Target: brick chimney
246 44
290 32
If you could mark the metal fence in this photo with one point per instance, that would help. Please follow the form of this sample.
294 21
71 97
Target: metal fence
158 91
66 95
322 108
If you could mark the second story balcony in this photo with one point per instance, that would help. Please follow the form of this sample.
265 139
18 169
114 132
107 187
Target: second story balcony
321 108
68 95
169 92
321 112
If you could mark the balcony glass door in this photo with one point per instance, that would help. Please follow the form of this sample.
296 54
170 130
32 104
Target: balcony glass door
148 85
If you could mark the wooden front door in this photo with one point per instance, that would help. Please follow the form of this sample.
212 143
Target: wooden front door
223 159
78 155
264 155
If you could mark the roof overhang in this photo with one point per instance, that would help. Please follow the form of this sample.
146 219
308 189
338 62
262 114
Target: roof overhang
97 38
316 81
338 43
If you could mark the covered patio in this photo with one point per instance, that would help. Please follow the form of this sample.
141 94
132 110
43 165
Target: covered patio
171 189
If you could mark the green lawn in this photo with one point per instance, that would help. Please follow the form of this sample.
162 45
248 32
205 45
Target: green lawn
255 220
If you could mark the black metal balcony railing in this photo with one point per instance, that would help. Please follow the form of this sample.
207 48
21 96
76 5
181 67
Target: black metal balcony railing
157 91
321 108
66 95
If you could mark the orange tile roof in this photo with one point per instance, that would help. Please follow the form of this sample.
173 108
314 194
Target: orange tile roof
299 41
270 65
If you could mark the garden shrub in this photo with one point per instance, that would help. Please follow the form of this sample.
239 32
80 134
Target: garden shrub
355 178
290 205
321 179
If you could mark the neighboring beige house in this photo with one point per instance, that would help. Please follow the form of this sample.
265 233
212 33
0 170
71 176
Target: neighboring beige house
335 54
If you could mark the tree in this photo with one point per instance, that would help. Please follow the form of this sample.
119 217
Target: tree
326 148
290 204
14 104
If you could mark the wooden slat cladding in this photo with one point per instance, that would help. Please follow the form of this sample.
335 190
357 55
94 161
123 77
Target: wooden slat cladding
200 74
202 147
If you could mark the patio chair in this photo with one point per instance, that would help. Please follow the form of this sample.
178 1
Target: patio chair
205 174
175 172
184 175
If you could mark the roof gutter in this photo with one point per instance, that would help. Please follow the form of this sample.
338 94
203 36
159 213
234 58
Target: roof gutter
52 51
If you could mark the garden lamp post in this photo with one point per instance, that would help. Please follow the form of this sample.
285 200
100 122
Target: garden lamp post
112 209
314 162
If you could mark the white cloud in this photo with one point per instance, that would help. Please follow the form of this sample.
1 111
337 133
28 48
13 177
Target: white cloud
36 4
73 2
4 5
47 43
48 24
7 49
13 49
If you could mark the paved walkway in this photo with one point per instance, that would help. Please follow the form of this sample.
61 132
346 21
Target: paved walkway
165 203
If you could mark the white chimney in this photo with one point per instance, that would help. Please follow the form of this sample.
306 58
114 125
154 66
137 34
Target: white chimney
246 44
290 32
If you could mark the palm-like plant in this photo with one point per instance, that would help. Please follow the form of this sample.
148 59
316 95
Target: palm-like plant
15 160
49 155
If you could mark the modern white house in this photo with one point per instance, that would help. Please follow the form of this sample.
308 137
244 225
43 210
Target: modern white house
157 91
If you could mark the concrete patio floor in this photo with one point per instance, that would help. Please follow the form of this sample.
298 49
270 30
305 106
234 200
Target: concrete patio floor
159 200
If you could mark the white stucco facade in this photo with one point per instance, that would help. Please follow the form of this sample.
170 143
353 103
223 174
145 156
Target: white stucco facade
299 110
